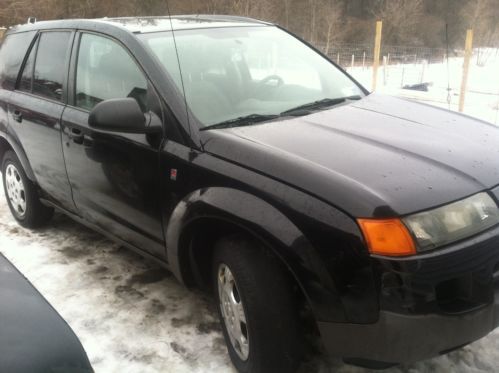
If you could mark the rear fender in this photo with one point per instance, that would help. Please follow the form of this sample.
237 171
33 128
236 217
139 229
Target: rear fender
12 142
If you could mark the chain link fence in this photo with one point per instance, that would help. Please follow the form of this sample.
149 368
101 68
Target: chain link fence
347 55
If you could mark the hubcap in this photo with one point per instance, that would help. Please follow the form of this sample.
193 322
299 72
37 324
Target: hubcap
233 314
15 190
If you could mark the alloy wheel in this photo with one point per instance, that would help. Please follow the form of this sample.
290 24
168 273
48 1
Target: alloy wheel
232 310
15 190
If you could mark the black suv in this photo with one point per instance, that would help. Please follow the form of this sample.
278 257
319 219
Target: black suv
247 162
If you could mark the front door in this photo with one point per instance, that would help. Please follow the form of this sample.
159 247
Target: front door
114 176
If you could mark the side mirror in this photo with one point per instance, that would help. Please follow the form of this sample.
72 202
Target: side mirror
118 115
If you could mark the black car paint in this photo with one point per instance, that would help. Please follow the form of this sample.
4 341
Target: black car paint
379 157
361 150
33 336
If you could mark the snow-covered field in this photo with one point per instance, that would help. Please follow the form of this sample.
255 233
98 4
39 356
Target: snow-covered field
482 93
133 316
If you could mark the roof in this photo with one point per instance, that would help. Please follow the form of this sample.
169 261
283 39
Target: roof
149 24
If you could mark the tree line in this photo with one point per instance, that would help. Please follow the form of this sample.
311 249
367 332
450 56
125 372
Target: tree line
430 23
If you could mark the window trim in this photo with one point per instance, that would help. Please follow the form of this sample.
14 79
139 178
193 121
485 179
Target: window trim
35 44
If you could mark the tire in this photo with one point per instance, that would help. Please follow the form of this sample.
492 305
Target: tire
21 194
262 290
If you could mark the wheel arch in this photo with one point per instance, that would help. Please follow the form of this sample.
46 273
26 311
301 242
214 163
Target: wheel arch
4 147
206 215
198 239
7 144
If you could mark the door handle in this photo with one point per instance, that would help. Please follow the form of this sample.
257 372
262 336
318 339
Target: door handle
17 116
76 135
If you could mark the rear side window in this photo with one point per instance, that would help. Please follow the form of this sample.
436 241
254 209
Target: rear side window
105 70
50 64
12 54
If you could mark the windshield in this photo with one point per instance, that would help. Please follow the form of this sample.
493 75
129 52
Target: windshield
236 72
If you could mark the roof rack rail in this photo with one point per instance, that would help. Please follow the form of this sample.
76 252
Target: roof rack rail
31 20
221 17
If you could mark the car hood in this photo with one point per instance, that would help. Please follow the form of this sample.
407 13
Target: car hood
381 156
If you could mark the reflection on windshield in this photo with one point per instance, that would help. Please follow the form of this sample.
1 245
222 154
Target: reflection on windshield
234 72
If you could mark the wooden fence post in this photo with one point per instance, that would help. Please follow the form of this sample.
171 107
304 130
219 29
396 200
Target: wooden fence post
468 52
423 71
377 52
385 60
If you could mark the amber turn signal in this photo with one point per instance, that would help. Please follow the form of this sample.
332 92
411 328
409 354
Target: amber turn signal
387 237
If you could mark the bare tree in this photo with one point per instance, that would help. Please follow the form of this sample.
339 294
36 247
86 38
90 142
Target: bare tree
319 21
400 18
313 6
332 16
287 10
15 11
483 17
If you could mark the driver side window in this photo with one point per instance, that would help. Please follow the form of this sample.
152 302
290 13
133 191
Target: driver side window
105 71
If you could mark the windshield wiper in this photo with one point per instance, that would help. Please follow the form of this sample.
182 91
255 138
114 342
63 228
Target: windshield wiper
241 121
320 104
299 110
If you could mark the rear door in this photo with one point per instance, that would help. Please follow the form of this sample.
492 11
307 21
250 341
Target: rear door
114 176
35 112
12 52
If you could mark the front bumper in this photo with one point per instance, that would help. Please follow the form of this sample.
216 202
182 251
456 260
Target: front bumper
398 338
428 304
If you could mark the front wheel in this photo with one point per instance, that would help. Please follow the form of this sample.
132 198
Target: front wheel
21 194
257 308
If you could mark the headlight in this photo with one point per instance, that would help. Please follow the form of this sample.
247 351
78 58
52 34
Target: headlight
453 222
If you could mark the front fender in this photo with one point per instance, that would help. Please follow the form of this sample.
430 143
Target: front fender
271 226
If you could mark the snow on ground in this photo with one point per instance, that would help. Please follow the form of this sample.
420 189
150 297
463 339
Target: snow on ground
482 93
133 316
